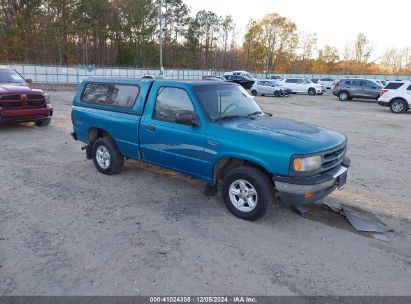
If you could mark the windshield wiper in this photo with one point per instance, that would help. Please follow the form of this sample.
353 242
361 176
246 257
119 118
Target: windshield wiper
228 117
255 113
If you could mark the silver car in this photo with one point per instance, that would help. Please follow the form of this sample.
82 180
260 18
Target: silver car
348 89
269 87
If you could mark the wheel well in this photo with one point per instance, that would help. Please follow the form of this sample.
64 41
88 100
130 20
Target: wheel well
224 165
398 98
96 133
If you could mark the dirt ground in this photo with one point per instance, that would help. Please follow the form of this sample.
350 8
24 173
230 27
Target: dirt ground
65 229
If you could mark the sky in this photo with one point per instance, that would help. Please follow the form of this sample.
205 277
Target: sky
336 22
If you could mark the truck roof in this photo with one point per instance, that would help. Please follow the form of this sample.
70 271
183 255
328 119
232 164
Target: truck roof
163 81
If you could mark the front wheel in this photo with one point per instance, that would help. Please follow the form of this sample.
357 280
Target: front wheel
344 96
247 193
254 92
312 92
398 106
106 156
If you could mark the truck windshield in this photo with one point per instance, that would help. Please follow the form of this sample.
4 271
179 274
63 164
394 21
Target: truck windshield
10 76
226 101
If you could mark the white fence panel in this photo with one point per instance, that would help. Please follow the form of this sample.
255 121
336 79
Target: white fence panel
75 74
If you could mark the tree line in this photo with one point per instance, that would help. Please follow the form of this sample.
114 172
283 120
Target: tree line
126 33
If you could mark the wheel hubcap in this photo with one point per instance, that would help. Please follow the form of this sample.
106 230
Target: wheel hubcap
343 96
103 157
397 107
243 195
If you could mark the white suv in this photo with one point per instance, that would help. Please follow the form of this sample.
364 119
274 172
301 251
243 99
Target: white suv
327 82
397 96
304 85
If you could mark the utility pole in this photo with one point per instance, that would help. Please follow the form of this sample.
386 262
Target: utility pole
161 37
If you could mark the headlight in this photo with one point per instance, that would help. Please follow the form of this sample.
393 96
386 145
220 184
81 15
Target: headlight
306 164
47 97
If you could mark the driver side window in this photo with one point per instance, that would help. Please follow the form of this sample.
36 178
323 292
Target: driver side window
171 101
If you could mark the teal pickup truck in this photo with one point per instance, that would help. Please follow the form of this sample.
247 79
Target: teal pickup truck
211 131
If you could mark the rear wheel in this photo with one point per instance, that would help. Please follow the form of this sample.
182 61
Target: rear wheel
43 123
247 193
344 96
254 92
398 106
276 94
106 156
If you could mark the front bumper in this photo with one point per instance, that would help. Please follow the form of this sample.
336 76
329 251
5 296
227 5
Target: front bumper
303 191
26 114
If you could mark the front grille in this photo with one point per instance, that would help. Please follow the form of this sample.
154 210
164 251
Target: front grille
10 97
15 101
35 103
333 158
6 105
35 100
35 97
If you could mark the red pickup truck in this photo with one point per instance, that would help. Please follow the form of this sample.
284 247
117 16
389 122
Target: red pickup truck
20 103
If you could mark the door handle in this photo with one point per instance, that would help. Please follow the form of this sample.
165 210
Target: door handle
151 128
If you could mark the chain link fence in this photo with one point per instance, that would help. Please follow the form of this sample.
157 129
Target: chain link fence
60 75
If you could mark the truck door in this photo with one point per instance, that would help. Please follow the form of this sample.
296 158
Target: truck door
169 144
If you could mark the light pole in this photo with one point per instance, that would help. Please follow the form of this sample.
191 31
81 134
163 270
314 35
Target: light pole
161 37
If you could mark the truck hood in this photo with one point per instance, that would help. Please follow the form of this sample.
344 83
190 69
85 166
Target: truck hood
268 131
6 89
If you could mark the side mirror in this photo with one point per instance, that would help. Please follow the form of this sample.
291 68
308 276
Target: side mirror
29 81
187 118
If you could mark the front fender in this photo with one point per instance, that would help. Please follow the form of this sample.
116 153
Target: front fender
238 156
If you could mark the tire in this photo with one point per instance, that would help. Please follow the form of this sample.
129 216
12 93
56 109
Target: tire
254 92
246 179
276 94
344 96
312 92
43 123
106 156
398 106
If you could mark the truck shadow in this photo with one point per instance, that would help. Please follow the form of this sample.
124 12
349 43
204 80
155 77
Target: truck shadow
319 212
17 126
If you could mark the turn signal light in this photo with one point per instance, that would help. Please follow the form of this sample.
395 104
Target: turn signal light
309 195
298 164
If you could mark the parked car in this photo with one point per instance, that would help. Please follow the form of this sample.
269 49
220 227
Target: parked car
153 77
243 80
286 89
267 87
20 103
382 82
327 82
238 73
210 131
274 77
348 89
304 85
396 96
214 78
